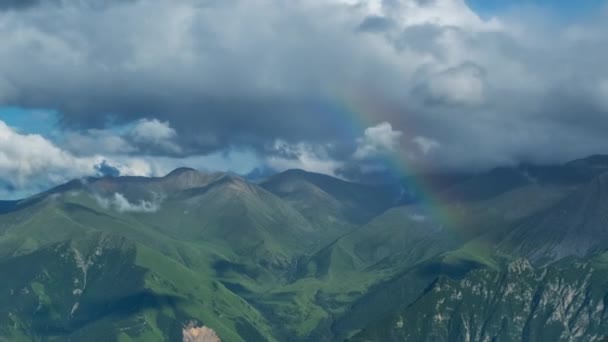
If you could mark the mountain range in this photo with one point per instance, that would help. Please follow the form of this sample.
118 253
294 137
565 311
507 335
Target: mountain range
514 253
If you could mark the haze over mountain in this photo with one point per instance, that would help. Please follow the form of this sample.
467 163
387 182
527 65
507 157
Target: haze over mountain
304 256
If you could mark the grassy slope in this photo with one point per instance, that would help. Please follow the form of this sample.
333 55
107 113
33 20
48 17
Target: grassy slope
234 253
166 244
163 257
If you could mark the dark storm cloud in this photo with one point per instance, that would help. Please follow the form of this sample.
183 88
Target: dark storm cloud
17 4
6 5
214 91
248 73
376 24
104 169
462 85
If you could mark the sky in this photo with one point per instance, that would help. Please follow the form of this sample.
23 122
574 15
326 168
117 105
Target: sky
342 87
566 9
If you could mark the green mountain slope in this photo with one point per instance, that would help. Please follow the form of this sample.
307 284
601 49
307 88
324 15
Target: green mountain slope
329 201
519 254
106 288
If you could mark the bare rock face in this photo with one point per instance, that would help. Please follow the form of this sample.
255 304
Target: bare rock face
193 333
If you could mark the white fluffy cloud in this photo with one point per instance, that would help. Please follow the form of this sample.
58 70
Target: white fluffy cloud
31 162
425 145
376 140
26 158
301 155
144 136
454 13
121 204
157 133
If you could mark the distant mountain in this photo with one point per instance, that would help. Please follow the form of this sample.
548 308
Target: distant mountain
352 202
576 226
515 253
503 179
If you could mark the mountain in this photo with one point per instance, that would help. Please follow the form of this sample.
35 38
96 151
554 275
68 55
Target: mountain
576 226
564 302
338 199
515 253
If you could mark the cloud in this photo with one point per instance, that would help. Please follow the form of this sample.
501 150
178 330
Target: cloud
121 204
7 90
375 24
30 163
221 75
104 169
17 4
144 136
94 141
418 217
425 145
301 156
199 72
461 85
602 94
30 160
377 140
157 133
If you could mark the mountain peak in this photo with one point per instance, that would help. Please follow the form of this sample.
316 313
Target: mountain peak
180 171
595 161
305 175
296 173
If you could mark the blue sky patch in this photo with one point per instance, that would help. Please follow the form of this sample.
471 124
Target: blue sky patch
33 121
563 8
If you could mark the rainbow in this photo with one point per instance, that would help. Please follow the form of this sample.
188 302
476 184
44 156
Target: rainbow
355 113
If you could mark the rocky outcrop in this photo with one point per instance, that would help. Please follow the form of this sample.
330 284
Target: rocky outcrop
192 333
521 303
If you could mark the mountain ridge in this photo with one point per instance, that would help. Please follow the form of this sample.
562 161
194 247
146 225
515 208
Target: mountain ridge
299 256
